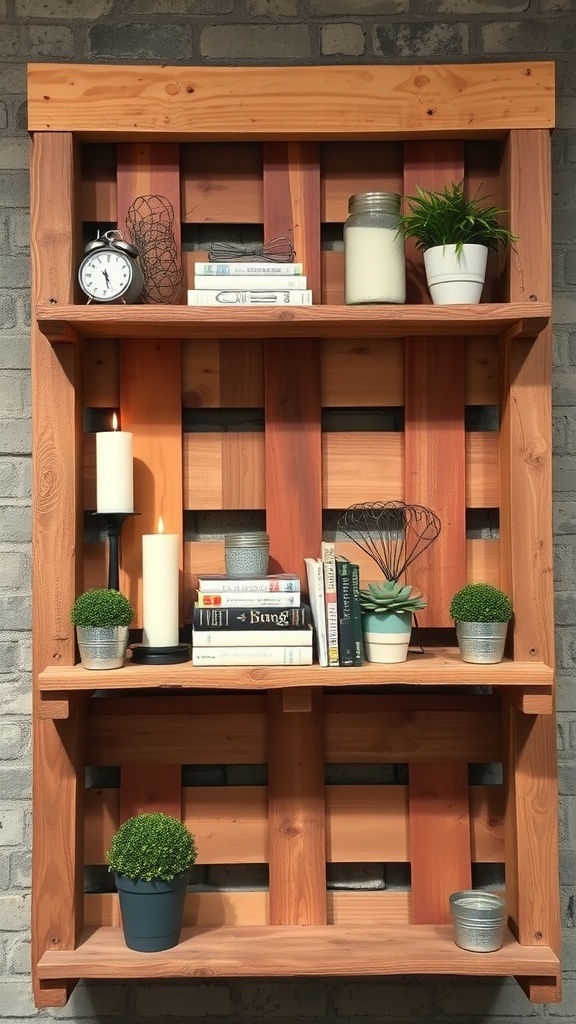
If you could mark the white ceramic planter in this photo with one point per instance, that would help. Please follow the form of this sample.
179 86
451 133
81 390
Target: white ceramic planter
455 277
386 637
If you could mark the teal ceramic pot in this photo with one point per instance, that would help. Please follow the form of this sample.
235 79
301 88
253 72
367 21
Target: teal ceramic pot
151 912
386 637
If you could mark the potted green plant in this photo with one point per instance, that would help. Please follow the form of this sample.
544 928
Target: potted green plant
387 610
481 613
151 855
455 234
102 617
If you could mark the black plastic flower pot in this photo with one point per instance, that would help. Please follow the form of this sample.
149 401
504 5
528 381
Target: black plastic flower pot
151 912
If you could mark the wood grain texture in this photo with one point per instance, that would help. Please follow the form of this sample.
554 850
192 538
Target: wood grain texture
296 815
435 466
326 102
440 852
57 532
288 951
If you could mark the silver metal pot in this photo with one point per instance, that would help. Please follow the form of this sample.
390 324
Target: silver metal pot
479 920
102 647
481 643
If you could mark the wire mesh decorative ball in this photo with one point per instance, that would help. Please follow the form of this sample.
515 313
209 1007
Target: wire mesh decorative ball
392 533
150 221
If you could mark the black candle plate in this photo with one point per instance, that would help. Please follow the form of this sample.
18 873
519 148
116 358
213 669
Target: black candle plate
143 655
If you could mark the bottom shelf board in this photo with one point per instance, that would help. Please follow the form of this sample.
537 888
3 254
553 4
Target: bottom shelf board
290 951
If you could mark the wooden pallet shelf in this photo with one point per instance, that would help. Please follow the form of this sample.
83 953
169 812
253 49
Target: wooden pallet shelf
522 320
372 403
330 951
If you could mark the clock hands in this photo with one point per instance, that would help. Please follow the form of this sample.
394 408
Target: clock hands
106 278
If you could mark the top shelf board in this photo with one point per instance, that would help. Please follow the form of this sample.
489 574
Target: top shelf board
348 102
66 323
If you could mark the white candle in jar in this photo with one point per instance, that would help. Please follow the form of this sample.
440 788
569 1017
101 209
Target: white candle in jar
160 569
114 470
374 265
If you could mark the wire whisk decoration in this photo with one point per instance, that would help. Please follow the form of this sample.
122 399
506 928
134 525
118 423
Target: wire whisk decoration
277 250
150 221
392 533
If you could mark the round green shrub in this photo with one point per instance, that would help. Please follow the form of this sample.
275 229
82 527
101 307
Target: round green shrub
480 602
102 608
150 846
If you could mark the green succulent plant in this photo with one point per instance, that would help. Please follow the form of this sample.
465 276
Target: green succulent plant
390 596
480 602
447 217
152 846
102 608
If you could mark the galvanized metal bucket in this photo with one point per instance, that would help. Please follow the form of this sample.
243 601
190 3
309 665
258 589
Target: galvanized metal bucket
481 643
102 647
479 920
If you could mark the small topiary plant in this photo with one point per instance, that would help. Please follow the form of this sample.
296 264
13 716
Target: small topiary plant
102 608
152 846
480 602
390 596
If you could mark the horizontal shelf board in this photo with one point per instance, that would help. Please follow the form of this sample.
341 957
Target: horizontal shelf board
264 102
64 323
440 667
287 951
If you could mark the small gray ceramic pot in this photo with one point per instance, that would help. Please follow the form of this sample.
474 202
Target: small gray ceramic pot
102 647
481 643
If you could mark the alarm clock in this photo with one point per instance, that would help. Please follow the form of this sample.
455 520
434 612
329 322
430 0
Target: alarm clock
109 271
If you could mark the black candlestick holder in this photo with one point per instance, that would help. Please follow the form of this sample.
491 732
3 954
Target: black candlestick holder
113 523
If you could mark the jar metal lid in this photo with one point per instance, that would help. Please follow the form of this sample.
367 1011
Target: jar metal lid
383 202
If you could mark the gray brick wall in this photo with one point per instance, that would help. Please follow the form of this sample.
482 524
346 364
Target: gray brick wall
252 32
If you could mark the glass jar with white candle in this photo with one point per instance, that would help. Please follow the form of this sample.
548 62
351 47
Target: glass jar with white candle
374 260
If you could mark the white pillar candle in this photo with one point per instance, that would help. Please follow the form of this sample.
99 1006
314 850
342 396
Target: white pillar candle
114 471
160 568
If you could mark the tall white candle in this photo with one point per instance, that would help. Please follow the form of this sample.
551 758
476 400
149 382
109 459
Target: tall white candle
114 471
160 566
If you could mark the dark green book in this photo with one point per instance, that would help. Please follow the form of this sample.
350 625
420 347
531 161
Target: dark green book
344 605
356 613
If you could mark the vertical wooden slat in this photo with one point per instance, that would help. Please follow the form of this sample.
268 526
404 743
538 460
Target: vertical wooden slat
151 383
57 536
292 372
296 813
440 842
293 479
526 479
434 436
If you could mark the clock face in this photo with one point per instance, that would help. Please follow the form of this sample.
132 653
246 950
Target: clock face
106 275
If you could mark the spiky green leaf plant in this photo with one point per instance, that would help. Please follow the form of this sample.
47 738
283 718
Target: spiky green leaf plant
390 596
447 217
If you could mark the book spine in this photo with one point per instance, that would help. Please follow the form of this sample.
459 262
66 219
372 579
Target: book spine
218 269
315 578
251 281
233 586
251 619
233 297
248 599
252 638
344 604
252 655
330 601
356 613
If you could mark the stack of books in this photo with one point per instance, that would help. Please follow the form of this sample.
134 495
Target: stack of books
249 284
334 591
257 621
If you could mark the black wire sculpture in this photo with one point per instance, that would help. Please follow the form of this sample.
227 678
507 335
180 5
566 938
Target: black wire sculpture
150 221
392 533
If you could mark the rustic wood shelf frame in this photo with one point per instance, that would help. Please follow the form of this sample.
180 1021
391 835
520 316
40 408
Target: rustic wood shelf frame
174 131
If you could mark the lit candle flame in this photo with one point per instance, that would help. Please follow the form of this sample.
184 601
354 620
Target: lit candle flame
160 525
114 422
